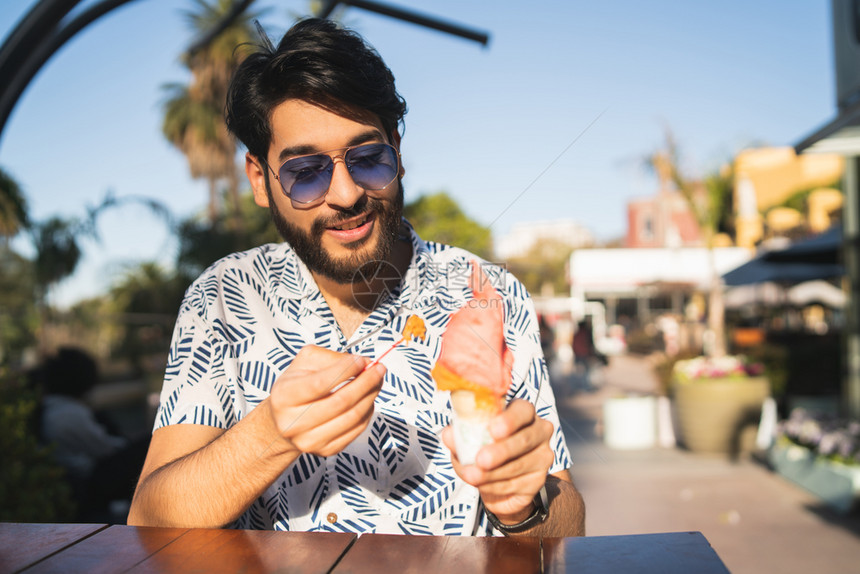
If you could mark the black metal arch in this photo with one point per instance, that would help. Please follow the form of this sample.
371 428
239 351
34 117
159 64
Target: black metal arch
43 31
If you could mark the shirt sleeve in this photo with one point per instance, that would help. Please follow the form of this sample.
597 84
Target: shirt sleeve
195 389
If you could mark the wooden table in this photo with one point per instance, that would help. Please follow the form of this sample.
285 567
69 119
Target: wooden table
93 548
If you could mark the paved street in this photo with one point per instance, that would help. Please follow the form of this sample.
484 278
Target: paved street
755 520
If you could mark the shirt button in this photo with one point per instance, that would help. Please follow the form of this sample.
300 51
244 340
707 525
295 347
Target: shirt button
332 517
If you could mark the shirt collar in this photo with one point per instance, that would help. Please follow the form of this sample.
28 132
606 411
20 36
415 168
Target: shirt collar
298 283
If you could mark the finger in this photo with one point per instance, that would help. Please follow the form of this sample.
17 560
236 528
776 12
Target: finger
346 368
336 432
518 414
312 377
526 440
302 418
336 445
535 463
448 438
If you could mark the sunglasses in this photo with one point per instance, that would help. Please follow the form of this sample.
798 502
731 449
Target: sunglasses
306 179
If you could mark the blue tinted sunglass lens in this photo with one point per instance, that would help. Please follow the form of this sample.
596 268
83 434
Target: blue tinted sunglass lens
306 178
372 166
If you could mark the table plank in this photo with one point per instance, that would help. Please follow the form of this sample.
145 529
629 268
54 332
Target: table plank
664 553
382 553
114 549
248 551
24 544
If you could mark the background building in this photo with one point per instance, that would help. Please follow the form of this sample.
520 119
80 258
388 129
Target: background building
778 193
524 236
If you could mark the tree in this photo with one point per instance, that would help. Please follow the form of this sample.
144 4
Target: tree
146 300
202 243
543 266
193 114
19 317
707 199
57 252
437 217
13 207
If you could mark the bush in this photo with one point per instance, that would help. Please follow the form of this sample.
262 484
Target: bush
32 485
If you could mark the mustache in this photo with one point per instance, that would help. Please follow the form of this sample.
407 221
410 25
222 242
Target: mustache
365 207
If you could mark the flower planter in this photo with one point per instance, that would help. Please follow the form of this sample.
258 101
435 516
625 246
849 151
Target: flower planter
836 484
720 415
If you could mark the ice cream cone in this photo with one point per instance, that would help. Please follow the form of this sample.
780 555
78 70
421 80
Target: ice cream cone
475 365
470 423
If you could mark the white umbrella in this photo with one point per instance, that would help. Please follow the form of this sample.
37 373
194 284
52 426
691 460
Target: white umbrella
817 292
767 293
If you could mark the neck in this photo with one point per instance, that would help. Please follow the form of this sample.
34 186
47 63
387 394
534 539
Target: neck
351 303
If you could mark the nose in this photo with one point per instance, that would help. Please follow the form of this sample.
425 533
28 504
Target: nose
343 192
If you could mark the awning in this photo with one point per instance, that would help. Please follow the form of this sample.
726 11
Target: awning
841 135
822 248
760 270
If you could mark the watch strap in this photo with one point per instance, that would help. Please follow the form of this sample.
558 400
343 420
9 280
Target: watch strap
541 504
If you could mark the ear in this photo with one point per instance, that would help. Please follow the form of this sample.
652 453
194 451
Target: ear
257 175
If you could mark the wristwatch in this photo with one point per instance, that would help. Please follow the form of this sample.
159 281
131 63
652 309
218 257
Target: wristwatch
540 513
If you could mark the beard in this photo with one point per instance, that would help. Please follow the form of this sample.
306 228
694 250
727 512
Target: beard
343 270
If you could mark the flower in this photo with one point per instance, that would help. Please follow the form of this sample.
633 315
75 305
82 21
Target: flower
825 435
731 366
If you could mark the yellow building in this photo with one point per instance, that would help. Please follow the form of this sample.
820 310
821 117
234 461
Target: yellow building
766 177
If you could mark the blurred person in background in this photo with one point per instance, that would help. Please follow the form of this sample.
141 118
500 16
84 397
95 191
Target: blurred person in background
101 465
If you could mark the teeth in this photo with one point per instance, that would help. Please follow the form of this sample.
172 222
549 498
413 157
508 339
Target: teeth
351 225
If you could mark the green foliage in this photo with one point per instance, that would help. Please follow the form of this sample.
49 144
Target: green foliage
193 113
201 243
437 217
32 486
719 187
545 263
799 199
13 206
18 312
147 298
709 199
57 251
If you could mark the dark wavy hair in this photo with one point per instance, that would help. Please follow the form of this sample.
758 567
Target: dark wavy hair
318 62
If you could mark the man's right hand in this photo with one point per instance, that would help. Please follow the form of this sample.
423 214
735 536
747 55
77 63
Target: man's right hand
313 417
202 476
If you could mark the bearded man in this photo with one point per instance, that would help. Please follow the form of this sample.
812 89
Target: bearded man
272 414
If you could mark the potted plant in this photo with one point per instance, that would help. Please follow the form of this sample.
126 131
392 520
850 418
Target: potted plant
820 453
718 403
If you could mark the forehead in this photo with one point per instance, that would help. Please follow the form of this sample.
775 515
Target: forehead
304 127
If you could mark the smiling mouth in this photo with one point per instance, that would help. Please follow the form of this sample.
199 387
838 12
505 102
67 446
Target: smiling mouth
352 223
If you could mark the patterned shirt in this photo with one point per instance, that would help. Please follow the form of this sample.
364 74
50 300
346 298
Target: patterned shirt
244 320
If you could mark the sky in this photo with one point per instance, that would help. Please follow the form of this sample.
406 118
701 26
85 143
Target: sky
551 120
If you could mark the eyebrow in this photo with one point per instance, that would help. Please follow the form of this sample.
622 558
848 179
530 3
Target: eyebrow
358 139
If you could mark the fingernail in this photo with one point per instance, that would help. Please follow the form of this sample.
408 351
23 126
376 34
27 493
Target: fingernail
380 368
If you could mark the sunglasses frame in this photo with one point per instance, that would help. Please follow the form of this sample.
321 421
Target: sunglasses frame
341 156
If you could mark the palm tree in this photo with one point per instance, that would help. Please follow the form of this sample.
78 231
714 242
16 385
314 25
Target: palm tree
13 207
193 118
707 200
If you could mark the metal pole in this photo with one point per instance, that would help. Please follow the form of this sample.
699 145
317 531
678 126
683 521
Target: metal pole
427 21
851 260
22 73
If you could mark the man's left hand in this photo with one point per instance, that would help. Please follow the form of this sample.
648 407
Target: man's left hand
509 472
